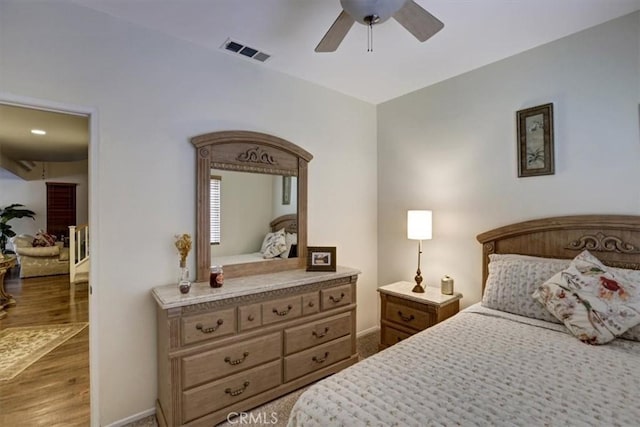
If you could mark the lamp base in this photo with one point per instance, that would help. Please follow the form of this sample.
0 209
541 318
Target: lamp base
418 287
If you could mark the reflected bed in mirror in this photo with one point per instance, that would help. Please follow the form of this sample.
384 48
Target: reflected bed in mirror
278 244
262 189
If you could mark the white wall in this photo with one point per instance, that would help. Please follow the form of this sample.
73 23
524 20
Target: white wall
451 148
151 94
33 193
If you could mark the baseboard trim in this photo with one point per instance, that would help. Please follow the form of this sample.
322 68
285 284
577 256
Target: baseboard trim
368 331
133 418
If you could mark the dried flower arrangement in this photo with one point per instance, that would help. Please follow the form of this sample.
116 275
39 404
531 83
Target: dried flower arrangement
183 244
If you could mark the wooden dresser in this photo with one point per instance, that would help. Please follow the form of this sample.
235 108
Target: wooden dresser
230 349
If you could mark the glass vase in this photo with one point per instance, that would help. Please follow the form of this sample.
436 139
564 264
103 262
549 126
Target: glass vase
183 281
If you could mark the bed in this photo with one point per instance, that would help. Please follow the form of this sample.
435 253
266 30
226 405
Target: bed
505 361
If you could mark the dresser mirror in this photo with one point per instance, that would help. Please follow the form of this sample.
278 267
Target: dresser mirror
258 184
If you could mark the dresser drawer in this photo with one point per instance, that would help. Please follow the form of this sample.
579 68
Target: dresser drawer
305 336
391 336
316 358
281 309
335 297
408 316
213 396
310 303
218 363
208 326
250 316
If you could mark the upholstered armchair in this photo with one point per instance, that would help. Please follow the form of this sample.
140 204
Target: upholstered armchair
40 260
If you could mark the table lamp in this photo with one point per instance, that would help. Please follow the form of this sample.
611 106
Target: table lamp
419 228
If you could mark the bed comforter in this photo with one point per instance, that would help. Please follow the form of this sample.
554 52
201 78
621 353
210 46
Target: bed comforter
483 367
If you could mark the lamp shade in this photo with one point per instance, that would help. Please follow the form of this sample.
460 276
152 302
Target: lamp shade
419 225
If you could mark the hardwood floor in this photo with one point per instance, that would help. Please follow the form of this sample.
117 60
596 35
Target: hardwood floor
54 391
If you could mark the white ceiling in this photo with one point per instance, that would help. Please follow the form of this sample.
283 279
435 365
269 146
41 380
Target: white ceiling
476 32
66 139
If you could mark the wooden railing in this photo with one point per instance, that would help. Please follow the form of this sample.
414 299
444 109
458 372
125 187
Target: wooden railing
79 253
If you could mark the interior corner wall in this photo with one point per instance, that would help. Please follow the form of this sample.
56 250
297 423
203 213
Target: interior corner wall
451 147
152 93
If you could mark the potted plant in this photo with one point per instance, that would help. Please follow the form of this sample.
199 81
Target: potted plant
6 214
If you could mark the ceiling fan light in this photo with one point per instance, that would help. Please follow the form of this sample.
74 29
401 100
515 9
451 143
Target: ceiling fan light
361 9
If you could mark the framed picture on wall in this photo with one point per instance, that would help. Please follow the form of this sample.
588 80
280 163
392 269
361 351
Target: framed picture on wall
321 258
535 141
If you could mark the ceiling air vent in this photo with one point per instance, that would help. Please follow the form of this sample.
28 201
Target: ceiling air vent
232 46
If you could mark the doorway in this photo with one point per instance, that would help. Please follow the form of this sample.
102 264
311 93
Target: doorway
51 169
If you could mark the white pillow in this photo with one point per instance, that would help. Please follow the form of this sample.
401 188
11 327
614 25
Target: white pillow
513 278
290 239
274 244
594 303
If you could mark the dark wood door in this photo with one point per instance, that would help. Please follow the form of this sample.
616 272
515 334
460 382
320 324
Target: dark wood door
61 208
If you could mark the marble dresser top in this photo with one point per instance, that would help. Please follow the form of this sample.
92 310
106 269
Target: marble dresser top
169 296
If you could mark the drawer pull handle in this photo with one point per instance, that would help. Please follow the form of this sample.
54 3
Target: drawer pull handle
238 391
211 329
251 318
406 318
337 300
283 312
236 361
321 359
311 304
320 334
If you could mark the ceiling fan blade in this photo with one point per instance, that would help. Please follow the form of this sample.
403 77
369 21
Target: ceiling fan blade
336 33
418 21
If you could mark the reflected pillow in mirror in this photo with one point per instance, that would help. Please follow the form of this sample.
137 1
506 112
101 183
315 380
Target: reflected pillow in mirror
290 239
274 244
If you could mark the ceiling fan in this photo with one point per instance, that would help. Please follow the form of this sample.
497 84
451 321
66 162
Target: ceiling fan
408 13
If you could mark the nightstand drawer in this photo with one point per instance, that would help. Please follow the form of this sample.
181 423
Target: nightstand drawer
302 337
218 363
281 309
208 326
407 316
335 297
390 336
213 396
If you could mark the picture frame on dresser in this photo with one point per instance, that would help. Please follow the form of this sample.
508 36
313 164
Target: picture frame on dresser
321 258
535 141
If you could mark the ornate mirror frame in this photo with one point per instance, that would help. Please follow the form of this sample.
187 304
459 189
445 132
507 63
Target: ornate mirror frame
255 152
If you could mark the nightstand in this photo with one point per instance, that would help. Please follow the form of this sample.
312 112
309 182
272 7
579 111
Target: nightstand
404 313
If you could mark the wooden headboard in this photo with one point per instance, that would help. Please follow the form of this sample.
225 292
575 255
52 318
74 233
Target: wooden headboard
288 222
614 239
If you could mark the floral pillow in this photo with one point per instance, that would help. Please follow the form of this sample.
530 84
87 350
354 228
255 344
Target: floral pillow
43 239
591 301
274 244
